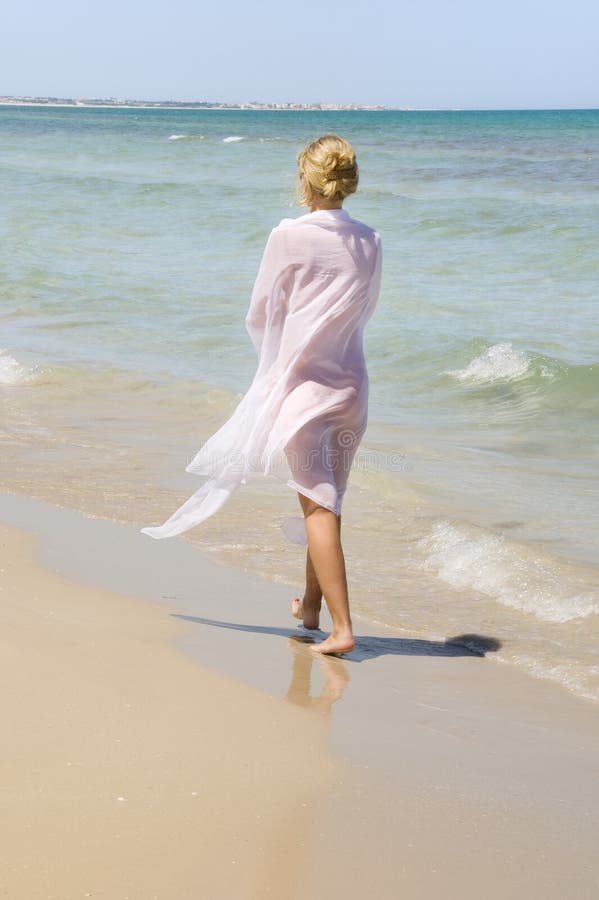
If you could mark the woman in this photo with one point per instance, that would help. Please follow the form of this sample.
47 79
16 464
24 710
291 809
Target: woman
307 407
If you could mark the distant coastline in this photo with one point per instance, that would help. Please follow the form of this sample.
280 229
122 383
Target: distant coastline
117 103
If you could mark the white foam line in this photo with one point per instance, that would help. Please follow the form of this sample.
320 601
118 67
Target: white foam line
498 362
491 565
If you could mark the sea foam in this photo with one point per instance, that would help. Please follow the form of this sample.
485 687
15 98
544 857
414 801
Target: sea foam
579 680
11 370
502 570
232 139
498 362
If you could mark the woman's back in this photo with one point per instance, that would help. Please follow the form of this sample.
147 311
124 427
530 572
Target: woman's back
317 286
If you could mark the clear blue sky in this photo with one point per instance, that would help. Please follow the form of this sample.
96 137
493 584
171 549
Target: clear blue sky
420 53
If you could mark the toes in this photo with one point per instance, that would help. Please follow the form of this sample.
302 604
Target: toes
296 608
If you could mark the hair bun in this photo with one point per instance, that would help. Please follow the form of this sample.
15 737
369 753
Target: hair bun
328 166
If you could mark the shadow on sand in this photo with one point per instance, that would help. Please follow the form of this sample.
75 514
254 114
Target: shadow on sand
369 646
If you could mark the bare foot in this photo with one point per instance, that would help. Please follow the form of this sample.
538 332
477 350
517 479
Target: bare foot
338 642
297 608
308 611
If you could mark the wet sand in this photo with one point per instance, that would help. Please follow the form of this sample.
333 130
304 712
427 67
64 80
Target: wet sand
130 771
166 735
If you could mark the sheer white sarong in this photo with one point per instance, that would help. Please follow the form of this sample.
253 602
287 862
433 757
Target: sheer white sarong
305 412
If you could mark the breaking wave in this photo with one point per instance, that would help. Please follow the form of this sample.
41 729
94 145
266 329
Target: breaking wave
14 372
506 572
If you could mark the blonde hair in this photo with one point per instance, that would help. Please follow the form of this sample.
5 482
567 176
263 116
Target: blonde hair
327 167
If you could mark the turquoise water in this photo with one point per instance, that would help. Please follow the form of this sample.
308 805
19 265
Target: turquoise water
130 242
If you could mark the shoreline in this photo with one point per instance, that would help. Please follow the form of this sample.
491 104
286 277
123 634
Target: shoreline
395 584
433 753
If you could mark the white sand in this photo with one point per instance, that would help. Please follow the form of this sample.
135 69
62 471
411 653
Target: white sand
403 772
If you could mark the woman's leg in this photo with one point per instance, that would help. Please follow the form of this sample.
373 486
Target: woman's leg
308 609
312 602
323 528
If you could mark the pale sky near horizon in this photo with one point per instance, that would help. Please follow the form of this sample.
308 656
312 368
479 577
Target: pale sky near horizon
419 53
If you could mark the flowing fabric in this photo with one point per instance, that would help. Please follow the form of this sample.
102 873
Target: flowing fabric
306 410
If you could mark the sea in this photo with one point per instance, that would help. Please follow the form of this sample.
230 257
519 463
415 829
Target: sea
130 240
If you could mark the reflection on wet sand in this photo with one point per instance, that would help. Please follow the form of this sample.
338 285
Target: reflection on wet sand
334 670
